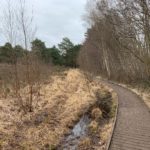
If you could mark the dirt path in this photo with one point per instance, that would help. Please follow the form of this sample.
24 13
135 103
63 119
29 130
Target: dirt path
132 131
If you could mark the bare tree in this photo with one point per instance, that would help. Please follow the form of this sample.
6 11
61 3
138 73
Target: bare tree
9 28
120 32
18 22
9 23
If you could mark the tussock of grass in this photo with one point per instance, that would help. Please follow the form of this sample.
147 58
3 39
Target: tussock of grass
85 144
93 127
96 114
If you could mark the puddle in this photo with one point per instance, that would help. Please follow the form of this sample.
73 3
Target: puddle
79 131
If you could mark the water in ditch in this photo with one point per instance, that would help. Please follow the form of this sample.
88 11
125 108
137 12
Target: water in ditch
79 131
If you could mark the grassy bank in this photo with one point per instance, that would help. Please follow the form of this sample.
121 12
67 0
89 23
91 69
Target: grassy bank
63 98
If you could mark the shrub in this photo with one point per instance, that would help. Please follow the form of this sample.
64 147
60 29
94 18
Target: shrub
105 103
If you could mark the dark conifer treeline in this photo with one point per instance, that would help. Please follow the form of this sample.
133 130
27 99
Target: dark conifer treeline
65 54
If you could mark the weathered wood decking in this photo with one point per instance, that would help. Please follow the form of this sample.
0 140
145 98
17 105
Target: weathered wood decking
132 131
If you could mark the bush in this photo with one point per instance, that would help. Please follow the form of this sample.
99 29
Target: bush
105 103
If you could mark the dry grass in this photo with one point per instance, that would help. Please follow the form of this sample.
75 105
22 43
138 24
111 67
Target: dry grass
93 127
100 127
96 114
85 144
63 99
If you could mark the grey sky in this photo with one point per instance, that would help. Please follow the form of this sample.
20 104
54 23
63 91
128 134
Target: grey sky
56 19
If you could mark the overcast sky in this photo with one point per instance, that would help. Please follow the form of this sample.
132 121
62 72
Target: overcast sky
56 19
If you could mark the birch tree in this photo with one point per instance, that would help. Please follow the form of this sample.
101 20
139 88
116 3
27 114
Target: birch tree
119 30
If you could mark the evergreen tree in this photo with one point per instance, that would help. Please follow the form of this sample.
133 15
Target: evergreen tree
39 48
69 52
6 53
57 59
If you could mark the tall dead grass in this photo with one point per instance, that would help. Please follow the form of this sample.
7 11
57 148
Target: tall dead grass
23 80
64 98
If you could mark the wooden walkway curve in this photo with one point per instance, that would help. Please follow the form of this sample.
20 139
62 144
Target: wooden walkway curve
132 130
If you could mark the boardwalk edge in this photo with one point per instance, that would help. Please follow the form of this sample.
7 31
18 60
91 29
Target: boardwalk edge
114 123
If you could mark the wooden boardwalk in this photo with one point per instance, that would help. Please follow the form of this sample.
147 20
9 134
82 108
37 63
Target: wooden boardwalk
132 130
